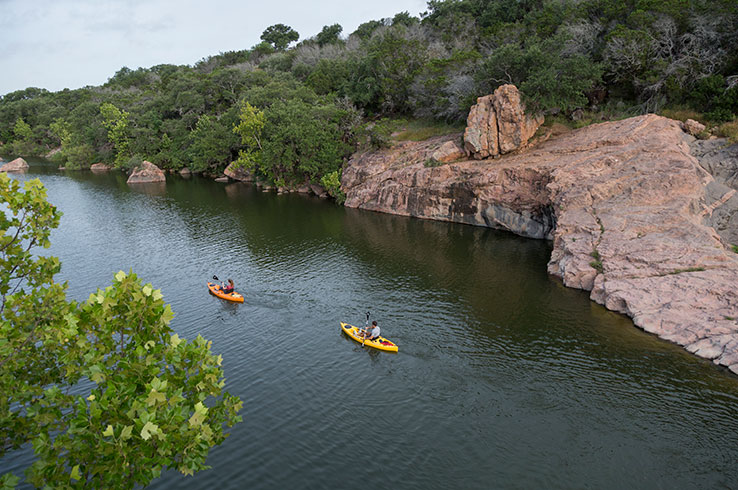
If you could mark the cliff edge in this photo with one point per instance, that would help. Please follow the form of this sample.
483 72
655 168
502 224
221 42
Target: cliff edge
626 203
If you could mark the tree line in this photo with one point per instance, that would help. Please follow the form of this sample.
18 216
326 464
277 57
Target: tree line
294 112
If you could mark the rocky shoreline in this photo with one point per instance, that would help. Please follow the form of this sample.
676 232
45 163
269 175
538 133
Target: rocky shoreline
631 211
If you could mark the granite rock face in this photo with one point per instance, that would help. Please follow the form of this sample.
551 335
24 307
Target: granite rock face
497 124
625 203
17 165
146 173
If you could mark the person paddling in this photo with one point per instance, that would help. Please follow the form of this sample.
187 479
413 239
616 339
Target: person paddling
229 288
373 333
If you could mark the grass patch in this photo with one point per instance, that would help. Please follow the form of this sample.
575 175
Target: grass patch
430 163
729 318
681 113
734 248
688 269
729 130
596 264
423 129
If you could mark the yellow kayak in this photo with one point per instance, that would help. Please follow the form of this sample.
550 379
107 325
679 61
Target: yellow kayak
380 343
216 290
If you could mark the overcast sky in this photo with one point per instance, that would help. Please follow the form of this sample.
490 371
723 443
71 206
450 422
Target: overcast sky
57 44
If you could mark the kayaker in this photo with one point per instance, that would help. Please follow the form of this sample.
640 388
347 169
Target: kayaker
373 333
229 288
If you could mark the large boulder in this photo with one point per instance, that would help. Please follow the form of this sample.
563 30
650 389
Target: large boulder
497 124
17 165
146 173
237 173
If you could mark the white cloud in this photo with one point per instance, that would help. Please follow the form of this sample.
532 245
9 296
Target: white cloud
73 43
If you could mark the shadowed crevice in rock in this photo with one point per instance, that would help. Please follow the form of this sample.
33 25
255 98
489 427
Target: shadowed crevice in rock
624 203
720 159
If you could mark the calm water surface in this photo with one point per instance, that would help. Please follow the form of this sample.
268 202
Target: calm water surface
504 378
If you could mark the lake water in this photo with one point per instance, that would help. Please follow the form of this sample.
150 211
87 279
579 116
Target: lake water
504 377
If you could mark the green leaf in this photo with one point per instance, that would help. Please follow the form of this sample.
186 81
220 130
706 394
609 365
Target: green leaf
109 431
146 290
126 432
8 481
175 340
155 397
74 475
148 430
120 276
167 316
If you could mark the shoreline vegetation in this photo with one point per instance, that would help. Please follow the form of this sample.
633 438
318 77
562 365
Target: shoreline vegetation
292 111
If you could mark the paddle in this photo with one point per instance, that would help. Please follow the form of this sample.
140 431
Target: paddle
366 328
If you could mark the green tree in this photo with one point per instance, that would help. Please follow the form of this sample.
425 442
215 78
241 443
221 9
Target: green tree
211 144
329 34
546 76
279 36
302 141
23 138
104 390
250 127
117 124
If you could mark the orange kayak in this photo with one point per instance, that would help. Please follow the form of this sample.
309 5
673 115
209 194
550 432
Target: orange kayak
216 290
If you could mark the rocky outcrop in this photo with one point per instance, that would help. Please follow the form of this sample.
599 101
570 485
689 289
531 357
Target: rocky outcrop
237 173
624 202
100 167
146 173
17 165
508 197
497 124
